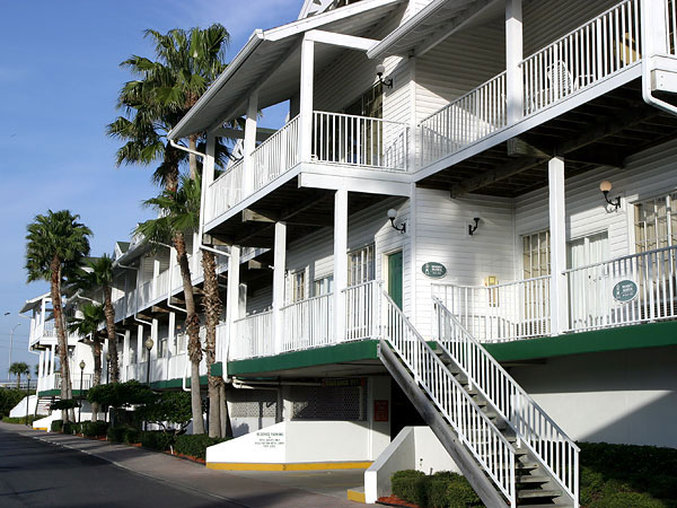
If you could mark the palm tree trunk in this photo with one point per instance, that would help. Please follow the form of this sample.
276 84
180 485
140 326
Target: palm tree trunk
193 330
212 309
96 347
192 160
110 330
55 288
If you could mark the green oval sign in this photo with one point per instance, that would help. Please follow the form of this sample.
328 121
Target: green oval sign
434 270
625 291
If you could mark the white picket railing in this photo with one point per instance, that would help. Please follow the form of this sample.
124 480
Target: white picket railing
308 323
624 291
360 141
464 121
253 337
53 381
473 428
363 306
509 311
226 191
276 155
550 445
604 45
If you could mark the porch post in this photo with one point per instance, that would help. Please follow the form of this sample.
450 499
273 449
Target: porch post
232 297
207 179
559 307
139 346
156 274
654 28
340 260
279 269
51 360
250 140
306 100
513 56
171 333
41 365
125 348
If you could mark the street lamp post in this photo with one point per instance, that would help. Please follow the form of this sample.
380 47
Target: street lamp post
28 395
149 345
11 345
82 372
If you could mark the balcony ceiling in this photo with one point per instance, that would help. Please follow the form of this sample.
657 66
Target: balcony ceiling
434 23
602 132
271 61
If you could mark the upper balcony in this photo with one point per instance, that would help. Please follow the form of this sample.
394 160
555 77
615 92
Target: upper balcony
349 145
581 97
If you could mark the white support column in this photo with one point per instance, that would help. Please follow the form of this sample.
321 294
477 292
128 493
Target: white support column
250 140
232 297
126 342
51 360
306 99
558 247
41 365
340 260
513 56
154 335
171 334
139 344
654 28
206 202
279 269
156 274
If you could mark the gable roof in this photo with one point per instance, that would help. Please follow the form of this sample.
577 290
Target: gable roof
270 60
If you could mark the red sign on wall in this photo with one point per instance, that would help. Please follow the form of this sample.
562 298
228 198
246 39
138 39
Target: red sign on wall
380 410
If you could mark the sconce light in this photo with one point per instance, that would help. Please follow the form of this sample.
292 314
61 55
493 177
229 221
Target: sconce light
473 227
392 215
380 71
606 187
149 344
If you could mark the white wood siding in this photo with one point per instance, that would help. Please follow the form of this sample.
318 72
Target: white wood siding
457 65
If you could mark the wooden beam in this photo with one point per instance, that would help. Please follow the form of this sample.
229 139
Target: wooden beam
249 215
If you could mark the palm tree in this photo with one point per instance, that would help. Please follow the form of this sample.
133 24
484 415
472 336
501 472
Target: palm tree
56 246
187 63
98 274
18 368
88 326
179 212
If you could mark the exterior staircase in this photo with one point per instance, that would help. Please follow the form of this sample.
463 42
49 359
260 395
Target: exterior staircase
505 445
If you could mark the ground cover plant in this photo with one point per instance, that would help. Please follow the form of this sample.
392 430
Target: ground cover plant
611 476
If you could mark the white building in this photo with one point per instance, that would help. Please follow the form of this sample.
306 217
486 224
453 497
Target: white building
488 133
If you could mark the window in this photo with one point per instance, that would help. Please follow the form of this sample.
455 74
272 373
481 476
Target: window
323 286
655 223
361 266
536 254
298 286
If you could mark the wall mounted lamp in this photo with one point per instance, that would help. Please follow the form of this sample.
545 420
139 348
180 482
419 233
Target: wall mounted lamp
392 215
473 227
380 71
606 187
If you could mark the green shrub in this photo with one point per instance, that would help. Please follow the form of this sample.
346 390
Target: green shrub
132 435
157 440
70 427
10 397
460 494
57 426
94 429
409 486
195 445
117 434
64 404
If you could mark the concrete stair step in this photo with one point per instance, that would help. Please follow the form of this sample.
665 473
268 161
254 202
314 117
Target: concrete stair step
538 493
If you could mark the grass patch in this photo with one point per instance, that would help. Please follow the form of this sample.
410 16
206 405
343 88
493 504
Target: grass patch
20 419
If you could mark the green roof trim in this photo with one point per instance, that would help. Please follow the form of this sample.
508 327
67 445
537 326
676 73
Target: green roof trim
217 369
57 393
347 352
175 383
597 341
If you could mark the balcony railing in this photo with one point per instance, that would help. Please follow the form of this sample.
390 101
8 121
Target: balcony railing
53 381
590 54
253 336
308 323
360 141
629 290
510 311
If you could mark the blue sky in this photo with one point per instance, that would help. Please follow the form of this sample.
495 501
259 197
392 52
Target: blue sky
59 78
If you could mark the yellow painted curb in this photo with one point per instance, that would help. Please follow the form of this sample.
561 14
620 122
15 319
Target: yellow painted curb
358 497
307 466
41 428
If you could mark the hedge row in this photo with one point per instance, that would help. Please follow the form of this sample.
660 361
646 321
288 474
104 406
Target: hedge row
195 445
440 490
19 419
88 428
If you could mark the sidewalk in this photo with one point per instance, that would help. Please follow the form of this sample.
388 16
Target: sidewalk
237 490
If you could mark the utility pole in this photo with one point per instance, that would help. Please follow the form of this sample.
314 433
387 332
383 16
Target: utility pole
11 345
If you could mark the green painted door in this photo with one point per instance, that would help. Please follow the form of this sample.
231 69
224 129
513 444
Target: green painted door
395 277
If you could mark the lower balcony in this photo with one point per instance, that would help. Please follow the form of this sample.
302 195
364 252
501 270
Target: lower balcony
52 382
629 290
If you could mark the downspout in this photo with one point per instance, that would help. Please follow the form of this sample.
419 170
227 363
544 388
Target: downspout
646 28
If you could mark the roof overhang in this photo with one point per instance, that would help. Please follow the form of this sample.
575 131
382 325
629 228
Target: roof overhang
33 303
430 26
270 62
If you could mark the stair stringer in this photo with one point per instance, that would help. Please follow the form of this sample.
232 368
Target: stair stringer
472 471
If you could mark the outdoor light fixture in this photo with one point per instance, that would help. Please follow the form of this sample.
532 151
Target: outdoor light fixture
472 228
380 71
606 187
392 215
149 345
